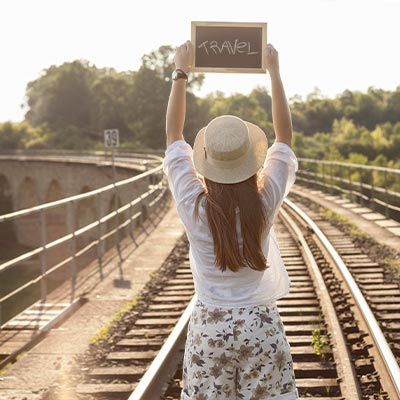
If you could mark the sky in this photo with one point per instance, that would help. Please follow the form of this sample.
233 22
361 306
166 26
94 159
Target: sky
330 44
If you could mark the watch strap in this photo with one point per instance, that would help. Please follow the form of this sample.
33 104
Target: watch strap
179 74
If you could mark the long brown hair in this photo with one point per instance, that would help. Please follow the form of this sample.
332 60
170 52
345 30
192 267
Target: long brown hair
221 202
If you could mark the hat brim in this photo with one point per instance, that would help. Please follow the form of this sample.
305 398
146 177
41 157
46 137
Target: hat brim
253 161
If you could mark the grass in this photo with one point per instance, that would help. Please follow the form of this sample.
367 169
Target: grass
103 333
342 222
380 253
7 366
392 264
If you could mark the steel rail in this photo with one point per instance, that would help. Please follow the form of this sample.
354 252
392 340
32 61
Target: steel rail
346 372
393 369
154 381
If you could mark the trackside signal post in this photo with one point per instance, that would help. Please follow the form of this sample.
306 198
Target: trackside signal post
111 140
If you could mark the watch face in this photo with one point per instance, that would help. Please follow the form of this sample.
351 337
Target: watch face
174 75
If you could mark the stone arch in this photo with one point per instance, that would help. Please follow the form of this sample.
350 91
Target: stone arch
7 233
86 209
56 223
86 213
6 205
27 194
28 227
112 223
54 191
55 217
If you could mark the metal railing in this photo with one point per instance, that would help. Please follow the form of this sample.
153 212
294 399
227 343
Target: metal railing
371 186
115 213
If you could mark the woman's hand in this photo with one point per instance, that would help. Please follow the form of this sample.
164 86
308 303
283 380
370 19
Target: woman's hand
271 59
184 56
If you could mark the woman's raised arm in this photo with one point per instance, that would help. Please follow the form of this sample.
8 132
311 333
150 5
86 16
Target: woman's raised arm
280 109
176 109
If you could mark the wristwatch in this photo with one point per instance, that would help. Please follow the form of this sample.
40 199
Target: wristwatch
179 74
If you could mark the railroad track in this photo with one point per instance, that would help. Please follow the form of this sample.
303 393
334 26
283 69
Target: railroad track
366 300
375 282
348 363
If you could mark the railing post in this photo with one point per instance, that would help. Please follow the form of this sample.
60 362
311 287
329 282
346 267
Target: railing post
71 212
117 239
332 190
162 184
152 197
43 256
351 184
130 226
99 234
361 189
372 198
142 217
387 213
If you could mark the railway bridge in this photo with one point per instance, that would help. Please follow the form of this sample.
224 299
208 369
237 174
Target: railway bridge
96 290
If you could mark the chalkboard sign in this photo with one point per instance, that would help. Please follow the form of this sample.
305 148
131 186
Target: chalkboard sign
228 46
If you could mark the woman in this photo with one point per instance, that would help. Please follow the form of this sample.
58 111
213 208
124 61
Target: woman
236 346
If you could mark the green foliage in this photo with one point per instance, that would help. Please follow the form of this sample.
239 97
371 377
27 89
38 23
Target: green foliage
353 123
70 105
61 96
15 135
343 223
319 343
103 333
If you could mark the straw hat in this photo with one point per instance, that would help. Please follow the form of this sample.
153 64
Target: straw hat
229 150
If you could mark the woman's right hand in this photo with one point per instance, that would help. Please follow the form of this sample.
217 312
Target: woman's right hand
271 59
184 56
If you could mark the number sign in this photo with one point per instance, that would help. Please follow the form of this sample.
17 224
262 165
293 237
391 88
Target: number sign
228 46
111 138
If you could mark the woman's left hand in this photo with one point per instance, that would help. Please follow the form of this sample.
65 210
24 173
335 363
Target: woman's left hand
184 56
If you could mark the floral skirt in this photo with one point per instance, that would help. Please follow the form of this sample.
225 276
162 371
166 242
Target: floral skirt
237 353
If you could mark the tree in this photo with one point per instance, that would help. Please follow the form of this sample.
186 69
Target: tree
112 103
61 96
151 89
392 111
70 105
14 135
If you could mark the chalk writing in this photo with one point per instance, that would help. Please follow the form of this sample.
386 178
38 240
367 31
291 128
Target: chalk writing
228 46
232 48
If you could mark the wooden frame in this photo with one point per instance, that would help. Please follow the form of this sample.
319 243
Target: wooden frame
261 25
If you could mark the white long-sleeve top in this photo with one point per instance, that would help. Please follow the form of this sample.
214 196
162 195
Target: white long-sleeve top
245 287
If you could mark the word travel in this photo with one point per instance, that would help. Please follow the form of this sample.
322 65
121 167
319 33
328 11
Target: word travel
232 48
